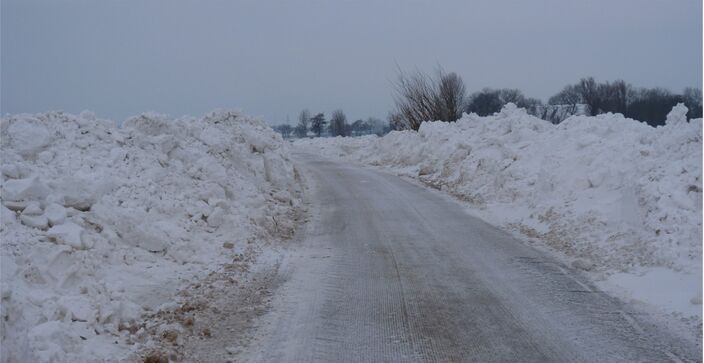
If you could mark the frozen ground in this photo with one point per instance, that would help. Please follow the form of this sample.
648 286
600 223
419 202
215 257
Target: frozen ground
609 195
102 226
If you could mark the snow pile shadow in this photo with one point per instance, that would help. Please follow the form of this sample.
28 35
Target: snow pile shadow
101 224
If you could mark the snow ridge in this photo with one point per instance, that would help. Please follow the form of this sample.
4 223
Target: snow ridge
101 224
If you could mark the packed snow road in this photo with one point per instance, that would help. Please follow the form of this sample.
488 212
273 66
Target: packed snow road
387 271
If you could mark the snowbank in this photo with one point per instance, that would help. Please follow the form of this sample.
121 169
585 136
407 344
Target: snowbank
101 224
608 193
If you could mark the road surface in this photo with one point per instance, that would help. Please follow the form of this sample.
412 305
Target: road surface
387 271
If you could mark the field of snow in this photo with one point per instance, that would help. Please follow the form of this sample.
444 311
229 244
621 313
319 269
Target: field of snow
610 195
101 224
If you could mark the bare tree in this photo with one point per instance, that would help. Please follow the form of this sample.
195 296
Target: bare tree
568 96
651 105
451 93
597 97
414 100
396 122
589 92
376 126
619 93
512 95
358 127
692 98
284 130
489 101
338 124
317 124
420 98
562 105
303 120
485 102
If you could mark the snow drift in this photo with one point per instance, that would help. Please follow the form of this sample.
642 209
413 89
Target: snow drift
610 193
101 224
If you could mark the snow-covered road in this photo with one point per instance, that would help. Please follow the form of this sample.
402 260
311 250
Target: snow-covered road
386 270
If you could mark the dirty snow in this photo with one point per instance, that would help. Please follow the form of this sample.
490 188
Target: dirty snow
103 224
610 195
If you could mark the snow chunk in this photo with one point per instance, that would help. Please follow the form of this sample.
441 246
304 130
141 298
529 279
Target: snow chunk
68 233
46 341
149 124
33 209
216 217
55 213
78 193
77 308
678 115
12 171
7 217
40 221
28 136
29 189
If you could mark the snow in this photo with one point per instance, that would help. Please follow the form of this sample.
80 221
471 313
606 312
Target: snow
69 234
24 189
674 291
27 136
608 194
102 224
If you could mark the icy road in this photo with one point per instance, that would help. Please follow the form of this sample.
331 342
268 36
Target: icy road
387 271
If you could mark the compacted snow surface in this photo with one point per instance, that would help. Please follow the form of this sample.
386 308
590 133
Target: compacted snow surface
101 224
611 195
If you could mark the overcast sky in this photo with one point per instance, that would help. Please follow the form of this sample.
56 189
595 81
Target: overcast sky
272 58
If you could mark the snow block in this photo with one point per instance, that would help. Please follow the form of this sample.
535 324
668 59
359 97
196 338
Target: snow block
7 217
77 193
40 222
69 234
28 136
55 213
77 308
32 209
28 189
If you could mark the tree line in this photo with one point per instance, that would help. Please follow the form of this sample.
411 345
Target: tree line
317 125
442 96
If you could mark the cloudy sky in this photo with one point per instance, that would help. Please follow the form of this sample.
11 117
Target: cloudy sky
272 58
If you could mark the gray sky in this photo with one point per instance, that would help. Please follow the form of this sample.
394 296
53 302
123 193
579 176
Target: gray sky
272 58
